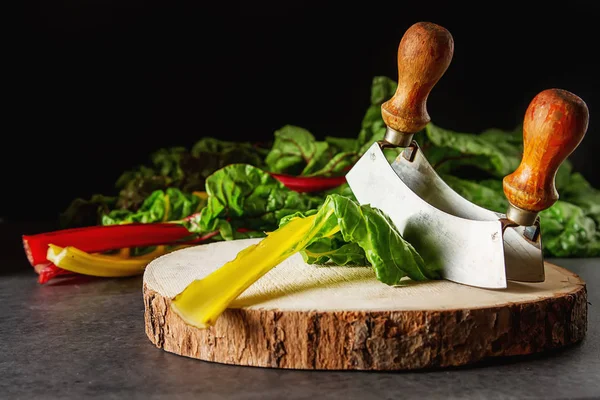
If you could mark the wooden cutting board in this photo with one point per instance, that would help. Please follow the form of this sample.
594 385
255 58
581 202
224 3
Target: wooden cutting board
314 317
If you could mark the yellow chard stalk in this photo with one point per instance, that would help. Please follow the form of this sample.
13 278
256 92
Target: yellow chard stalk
118 265
392 257
203 300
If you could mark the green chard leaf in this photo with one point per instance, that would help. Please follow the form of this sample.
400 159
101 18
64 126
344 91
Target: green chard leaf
365 234
162 205
293 151
568 232
135 185
297 152
182 169
342 145
382 89
318 159
372 127
338 165
243 196
334 250
579 192
485 152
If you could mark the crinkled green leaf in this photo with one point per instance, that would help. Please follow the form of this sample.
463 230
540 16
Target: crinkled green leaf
292 151
182 169
579 191
382 89
168 205
318 159
243 196
334 250
392 257
167 162
563 176
568 232
297 152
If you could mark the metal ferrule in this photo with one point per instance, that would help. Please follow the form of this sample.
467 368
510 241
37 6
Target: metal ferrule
396 138
520 216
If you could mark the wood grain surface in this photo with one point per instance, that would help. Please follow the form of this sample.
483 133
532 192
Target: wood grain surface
301 316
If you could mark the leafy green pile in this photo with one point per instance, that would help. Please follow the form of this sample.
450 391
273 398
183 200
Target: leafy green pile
175 167
243 200
294 151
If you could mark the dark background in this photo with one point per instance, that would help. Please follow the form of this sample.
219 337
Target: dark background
95 86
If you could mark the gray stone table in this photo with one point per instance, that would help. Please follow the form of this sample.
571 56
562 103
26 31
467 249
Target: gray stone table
84 338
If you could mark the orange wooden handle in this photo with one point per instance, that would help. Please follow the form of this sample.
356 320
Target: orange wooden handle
424 53
554 125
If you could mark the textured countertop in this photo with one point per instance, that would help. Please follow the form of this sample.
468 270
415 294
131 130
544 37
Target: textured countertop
85 338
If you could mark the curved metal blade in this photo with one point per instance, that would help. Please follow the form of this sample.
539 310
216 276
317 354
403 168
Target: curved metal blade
524 259
466 251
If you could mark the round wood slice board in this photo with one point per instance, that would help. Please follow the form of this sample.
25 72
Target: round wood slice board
304 316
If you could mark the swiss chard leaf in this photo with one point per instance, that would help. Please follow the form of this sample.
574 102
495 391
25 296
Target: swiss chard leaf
297 152
382 89
342 145
338 165
318 160
568 232
496 157
162 205
392 257
372 126
334 250
243 196
182 169
579 191
293 150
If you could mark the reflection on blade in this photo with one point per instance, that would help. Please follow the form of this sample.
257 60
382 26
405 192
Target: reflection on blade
466 251
524 259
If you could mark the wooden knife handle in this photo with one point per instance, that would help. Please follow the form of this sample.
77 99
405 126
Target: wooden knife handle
424 54
555 123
